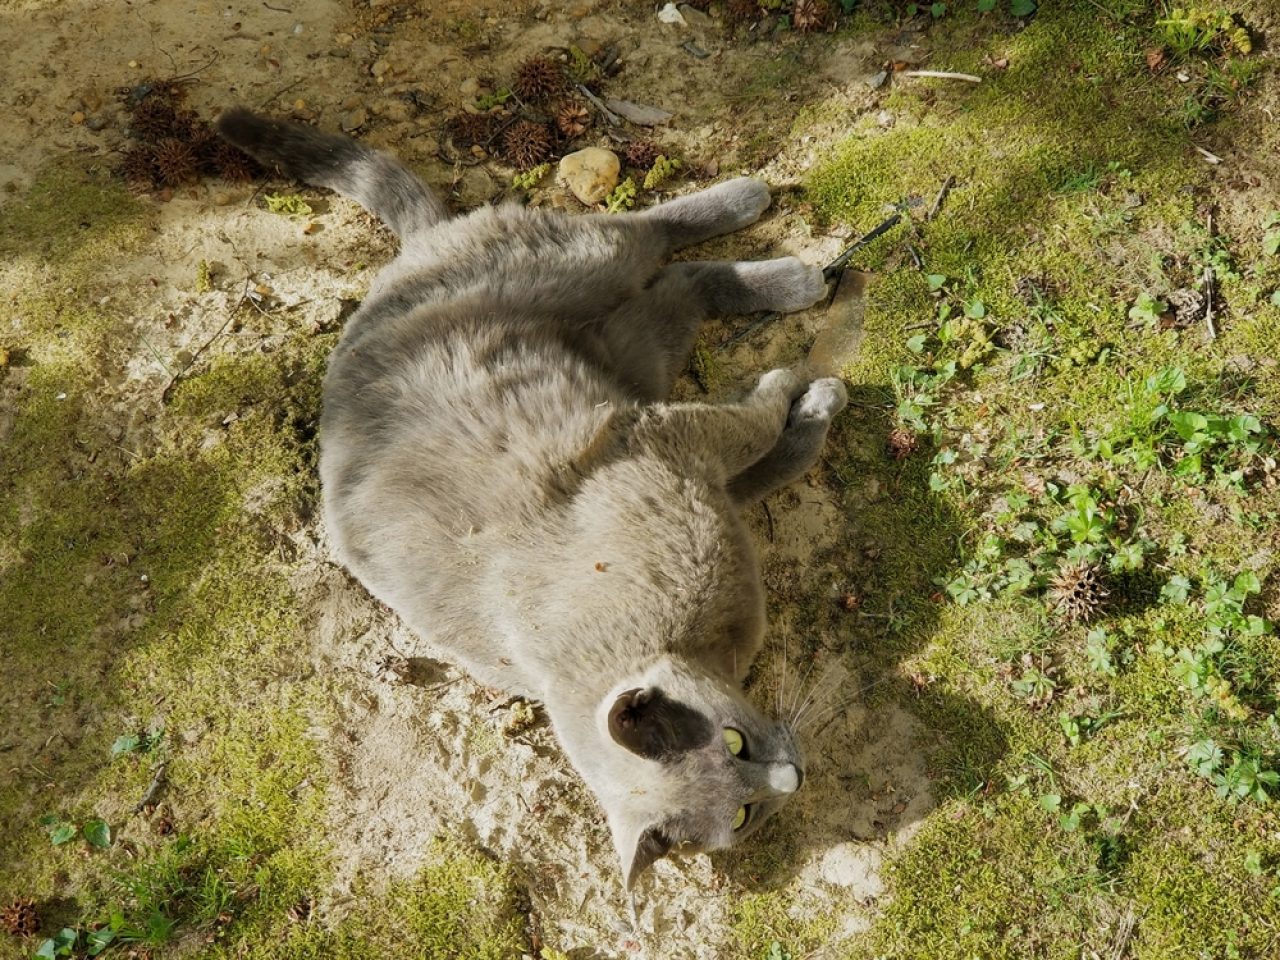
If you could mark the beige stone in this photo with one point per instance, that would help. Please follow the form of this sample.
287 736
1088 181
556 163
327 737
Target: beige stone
590 174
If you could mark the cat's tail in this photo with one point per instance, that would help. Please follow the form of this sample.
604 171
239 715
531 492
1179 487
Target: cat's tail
375 180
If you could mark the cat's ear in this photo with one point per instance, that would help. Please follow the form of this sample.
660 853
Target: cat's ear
652 725
639 846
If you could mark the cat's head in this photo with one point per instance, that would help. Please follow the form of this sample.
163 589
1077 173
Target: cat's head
690 765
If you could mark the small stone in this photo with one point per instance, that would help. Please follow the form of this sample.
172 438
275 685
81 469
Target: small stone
352 103
354 120
885 119
77 118
469 87
590 174
671 14
96 123
134 64
695 17
299 104
379 67
346 39
477 151
340 53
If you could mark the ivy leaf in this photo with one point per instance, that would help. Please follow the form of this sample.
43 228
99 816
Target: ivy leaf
936 281
98 833
62 834
1022 8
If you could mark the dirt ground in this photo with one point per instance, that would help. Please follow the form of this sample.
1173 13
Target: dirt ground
167 570
406 760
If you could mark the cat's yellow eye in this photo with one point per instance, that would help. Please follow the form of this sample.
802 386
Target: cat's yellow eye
733 740
740 818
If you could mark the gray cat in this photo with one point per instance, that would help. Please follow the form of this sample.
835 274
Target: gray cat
499 466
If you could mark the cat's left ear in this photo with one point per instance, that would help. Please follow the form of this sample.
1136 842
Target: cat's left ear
652 725
639 846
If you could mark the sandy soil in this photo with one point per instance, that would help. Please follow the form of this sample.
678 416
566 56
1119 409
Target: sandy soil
420 750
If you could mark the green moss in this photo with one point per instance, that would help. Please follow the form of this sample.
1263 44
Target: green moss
763 919
72 211
462 904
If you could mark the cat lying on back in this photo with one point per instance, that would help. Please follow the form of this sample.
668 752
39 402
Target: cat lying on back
499 465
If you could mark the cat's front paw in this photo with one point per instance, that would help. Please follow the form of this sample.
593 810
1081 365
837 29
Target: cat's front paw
821 401
789 284
781 381
745 199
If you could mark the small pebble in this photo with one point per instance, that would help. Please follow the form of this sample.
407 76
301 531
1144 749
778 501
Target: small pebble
134 64
77 117
469 87
354 120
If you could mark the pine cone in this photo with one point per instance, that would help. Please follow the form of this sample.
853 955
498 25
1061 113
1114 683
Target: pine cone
469 129
1077 591
20 917
901 443
808 16
641 154
573 119
175 161
539 79
527 144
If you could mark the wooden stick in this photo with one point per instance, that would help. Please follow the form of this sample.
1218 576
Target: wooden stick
596 102
947 184
941 75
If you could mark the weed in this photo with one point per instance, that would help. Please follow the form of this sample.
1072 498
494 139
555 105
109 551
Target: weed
290 204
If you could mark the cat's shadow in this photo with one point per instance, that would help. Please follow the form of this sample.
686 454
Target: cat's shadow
884 742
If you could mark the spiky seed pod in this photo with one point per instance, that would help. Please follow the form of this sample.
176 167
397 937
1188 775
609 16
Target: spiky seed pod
573 119
234 164
901 443
186 125
469 129
743 11
1077 591
152 118
641 153
539 79
20 917
808 16
139 167
206 144
527 144
175 161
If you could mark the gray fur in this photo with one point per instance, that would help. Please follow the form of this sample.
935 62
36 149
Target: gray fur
500 467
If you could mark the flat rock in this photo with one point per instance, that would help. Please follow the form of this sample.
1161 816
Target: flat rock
638 113
590 174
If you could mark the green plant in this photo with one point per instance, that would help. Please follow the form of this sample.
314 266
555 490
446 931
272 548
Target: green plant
1147 309
1188 30
623 197
531 178
290 204
661 170
1271 234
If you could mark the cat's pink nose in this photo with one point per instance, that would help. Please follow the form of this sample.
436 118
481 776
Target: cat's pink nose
785 777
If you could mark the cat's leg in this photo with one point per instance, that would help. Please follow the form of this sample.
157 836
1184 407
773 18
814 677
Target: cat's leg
721 209
653 332
798 445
